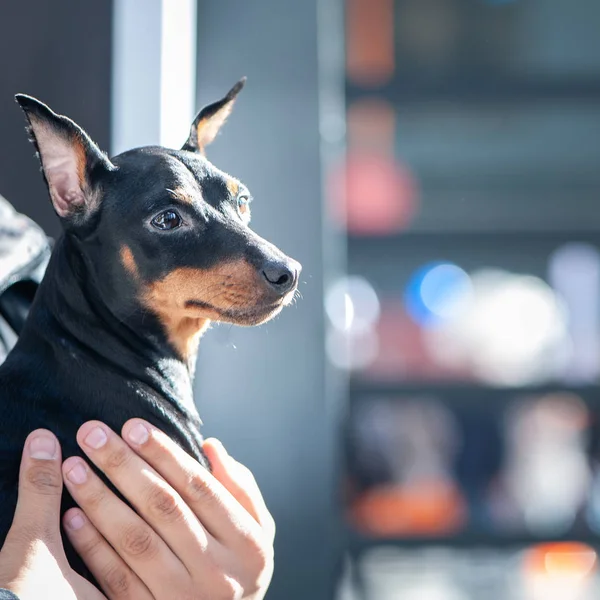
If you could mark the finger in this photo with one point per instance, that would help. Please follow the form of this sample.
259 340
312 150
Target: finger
240 482
112 573
215 507
132 538
37 514
153 498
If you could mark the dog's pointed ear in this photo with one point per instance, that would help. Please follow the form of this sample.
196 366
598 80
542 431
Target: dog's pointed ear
69 160
210 119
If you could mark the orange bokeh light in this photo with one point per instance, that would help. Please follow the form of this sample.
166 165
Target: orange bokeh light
560 558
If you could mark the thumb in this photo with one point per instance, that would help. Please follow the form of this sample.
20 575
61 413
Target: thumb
37 515
240 483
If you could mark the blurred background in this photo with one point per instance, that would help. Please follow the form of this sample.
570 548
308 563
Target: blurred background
425 422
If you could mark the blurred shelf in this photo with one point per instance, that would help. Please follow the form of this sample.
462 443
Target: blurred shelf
479 89
469 237
358 543
505 200
518 251
361 390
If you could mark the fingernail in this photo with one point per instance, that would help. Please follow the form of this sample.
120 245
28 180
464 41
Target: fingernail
96 438
43 447
77 474
76 522
219 446
138 434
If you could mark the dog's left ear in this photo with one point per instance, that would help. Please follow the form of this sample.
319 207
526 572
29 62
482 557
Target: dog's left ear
69 160
210 119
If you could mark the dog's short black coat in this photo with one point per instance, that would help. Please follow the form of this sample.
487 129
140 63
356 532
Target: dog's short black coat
156 244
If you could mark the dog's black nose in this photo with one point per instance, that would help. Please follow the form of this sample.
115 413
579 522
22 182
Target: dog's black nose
281 276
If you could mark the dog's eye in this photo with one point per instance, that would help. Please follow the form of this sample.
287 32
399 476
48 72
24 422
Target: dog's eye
167 220
243 201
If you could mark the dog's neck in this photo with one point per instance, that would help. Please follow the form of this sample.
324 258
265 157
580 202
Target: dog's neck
135 345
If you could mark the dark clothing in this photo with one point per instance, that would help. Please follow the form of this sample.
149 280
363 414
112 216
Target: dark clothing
24 254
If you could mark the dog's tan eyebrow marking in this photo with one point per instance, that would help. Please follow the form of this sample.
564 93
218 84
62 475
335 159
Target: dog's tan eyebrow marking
128 260
180 194
233 186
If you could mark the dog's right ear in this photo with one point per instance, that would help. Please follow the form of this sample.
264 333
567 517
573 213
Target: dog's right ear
69 159
209 120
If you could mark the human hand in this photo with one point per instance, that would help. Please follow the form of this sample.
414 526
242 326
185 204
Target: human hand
33 564
198 535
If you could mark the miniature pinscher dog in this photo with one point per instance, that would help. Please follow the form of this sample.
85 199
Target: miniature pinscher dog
156 244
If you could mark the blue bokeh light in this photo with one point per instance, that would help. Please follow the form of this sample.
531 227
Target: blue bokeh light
436 292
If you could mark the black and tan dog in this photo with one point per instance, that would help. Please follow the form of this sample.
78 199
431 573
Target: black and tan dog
156 245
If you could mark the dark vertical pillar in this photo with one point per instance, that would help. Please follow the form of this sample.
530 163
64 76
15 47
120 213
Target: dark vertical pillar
262 390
